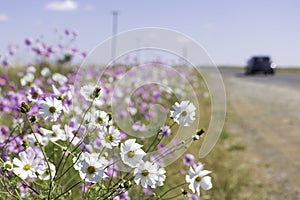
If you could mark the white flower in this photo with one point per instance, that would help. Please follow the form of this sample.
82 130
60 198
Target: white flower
8 166
41 139
45 72
65 96
27 165
78 161
197 178
75 132
28 78
184 113
98 119
91 167
88 92
61 79
161 177
50 108
44 172
31 69
109 137
146 174
55 134
131 153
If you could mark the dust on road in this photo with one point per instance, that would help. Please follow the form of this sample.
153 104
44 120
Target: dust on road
267 119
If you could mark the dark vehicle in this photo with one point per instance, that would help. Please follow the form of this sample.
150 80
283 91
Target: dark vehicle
260 64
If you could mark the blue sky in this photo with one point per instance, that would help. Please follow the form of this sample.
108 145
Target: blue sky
230 31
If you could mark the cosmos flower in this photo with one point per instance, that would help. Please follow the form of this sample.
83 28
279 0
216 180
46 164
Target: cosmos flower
197 178
27 79
90 92
28 41
45 72
98 119
4 80
31 139
91 167
27 165
131 153
55 134
165 131
35 94
146 174
50 108
109 137
59 78
44 172
184 113
188 159
161 172
65 96
74 132
8 166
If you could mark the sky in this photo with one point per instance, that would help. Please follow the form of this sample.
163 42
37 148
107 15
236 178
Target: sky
230 31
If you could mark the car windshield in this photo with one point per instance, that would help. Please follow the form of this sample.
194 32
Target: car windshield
261 59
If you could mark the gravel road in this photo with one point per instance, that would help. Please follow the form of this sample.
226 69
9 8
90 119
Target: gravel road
264 112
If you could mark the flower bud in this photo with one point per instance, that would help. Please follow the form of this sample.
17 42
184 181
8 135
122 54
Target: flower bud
200 132
96 92
109 116
33 119
196 137
184 192
25 143
24 108
126 184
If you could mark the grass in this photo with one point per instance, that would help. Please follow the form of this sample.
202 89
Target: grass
289 69
278 69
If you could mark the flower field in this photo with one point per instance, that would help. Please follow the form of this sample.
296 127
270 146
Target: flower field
65 131
123 131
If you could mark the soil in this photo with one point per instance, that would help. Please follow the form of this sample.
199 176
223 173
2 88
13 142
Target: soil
267 119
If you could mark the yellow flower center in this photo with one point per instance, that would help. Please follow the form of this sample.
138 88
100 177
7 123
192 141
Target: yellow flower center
130 154
76 134
8 166
99 120
145 172
198 179
91 169
61 97
53 134
27 167
184 113
52 109
25 142
109 138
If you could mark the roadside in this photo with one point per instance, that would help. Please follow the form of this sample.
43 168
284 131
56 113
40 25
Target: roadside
265 118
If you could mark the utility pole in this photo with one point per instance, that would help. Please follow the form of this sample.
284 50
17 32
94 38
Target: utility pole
184 55
138 52
114 32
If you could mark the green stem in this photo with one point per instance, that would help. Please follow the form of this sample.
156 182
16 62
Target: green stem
172 188
156 136
177 195
65 192
70 167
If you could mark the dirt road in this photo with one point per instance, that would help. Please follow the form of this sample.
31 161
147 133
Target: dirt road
266 117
